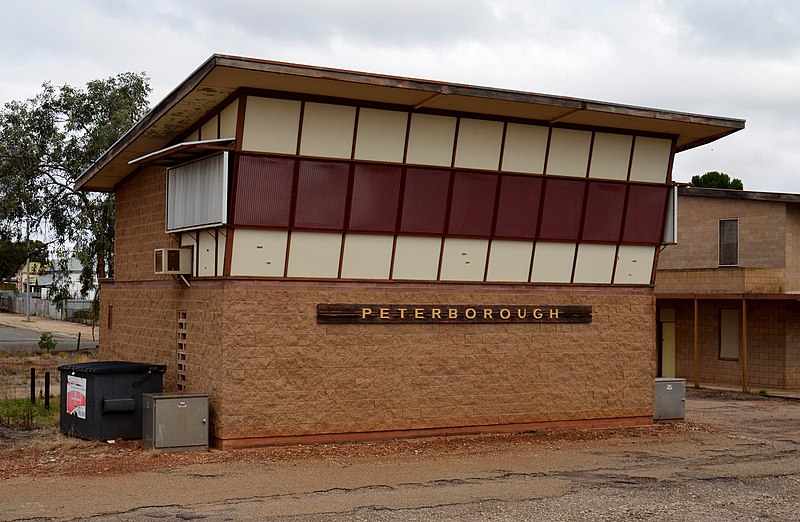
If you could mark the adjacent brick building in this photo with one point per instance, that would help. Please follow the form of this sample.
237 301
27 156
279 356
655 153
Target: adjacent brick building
728 292
336 255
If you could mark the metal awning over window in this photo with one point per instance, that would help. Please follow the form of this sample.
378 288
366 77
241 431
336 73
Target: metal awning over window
181 153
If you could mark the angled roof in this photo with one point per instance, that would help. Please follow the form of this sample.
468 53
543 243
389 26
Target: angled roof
221 75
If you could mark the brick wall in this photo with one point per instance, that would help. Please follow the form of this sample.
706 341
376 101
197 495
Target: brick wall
793 345
140 225
762 233
793 248
727 280
273 371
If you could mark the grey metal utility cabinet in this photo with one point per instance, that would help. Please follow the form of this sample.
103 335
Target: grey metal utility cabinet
670 398
175 421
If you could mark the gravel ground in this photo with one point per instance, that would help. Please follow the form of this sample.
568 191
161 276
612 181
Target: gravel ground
734 458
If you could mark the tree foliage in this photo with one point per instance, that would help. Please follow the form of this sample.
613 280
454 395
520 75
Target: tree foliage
13 255
46 143
716 179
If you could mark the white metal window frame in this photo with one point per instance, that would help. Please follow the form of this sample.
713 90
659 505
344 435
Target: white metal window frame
191 191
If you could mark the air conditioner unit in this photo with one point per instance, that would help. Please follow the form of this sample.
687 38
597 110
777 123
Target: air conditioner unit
172 261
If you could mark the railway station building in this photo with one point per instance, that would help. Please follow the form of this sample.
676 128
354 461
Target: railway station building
335 255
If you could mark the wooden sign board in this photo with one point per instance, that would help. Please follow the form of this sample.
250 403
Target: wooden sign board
450 314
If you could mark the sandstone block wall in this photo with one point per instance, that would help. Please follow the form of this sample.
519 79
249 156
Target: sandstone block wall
273 371
140 225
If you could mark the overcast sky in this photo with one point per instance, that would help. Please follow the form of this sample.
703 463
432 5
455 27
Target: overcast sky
733 58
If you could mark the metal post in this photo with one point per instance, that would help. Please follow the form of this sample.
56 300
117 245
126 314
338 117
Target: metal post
47 391
28 269
79 343
33 385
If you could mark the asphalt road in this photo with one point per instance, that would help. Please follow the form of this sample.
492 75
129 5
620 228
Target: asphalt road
23 339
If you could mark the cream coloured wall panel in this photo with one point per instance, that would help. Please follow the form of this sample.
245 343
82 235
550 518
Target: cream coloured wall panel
569 152
650 159
478 145
210 129
188 240
525 148
431 139
381 135
594 263
195 136
258 253
227 120
367 256
611 154
552 262
207 253
314 254
271 125
222 238
464 259
509 261
417 257
634 264
327 130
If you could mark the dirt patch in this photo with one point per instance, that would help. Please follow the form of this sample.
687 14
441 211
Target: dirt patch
41 453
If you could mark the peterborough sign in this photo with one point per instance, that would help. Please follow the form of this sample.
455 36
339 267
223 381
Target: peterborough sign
450 314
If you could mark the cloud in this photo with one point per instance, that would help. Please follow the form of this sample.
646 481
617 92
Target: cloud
737 58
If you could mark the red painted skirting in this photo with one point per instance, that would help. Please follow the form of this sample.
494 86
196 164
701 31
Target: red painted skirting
335 438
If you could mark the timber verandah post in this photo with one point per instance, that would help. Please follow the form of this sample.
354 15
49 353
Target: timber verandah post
745 384
696 366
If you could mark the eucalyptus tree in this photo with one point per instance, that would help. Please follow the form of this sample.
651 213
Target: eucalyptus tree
46 143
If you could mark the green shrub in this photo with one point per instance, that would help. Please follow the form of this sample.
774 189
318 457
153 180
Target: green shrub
46 342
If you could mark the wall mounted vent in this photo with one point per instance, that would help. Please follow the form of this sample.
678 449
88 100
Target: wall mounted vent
172 261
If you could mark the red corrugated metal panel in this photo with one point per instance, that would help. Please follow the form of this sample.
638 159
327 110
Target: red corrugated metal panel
518 208
645 215
604 208
563 205
263 191
321 195
376 195
425 201
472 204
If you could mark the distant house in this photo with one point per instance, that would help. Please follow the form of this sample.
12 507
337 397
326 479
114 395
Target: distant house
728 294
23 275
48 277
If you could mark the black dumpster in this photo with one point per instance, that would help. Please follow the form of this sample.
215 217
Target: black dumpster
103 400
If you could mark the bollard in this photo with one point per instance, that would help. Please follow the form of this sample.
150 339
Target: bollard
33 385
78 349
47 391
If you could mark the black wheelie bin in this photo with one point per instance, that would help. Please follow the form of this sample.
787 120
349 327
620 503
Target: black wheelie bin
103 400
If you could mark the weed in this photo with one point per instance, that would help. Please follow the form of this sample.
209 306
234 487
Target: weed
20 413
763 393
84 357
